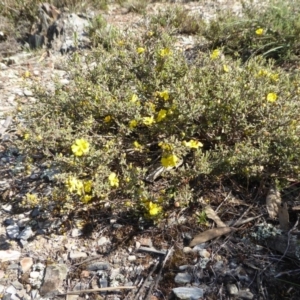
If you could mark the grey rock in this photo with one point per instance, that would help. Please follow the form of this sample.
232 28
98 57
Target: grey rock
13 231
188 293
8 222
25 234
35 212
11 290
98 266
103 282
53 280
77 254
245 295
7 207
183 267
232 289
17 285
183 278
103 241
76 232
131 257
13 266
9 255
28 93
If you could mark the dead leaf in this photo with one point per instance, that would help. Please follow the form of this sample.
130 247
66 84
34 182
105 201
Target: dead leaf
283 216
272 201
211 214
209 235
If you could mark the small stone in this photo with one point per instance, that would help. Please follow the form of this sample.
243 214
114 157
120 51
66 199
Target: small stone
53 280
187 249
146 242
96 266
199 247
76 232
28 93
232 289
131 257
26 263
9 255
13 231
103 282
7 207
34 274
245 295
17 285
183 278
103 241
204 253
183 267
77 254
25 234
188 293
10 221
11 290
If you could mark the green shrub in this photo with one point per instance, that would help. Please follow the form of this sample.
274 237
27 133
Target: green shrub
139 105
270 30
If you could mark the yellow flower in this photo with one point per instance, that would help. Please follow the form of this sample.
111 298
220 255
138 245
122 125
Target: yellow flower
113 179
88 186
74 185
153 208
148 120
107 119
225 68
133 124
165 146
86 198
140 50
80 147
263 73
161 115
134 98
193 144
165 52
169 160
137 145
215 54
121 43
26 136
274 77
164 94
150 33
271 97
259 31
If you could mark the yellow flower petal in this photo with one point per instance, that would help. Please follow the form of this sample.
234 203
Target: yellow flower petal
161 115
170 160
272 97
140 50
215 54
80 147
259 31
148 120
113 179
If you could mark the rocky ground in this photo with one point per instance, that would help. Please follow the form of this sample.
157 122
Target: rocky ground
93 255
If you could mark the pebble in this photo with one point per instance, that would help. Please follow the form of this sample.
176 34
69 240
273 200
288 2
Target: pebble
188 293
131 257
17 285
183 278
27 93
187 249
7 207
232 289
26 263
76 232
204 253
103 241
98 266
245 295
9 255
25 234
13 231
77 254
34 274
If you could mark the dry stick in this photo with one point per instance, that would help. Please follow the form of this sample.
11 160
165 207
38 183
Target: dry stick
111 288
144 283
154 285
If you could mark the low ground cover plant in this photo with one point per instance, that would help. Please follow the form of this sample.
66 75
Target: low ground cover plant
137 108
